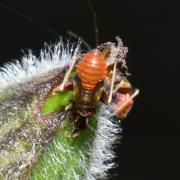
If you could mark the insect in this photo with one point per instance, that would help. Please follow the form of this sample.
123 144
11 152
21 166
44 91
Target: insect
98 71
99 76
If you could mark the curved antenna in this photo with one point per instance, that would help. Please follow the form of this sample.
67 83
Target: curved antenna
95 22
79 37
28 18
31 20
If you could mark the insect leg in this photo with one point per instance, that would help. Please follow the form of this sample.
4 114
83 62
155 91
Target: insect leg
112 84
66 77
118 87
126 102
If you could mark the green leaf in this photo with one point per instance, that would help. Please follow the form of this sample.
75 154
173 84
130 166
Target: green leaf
71 156
57 101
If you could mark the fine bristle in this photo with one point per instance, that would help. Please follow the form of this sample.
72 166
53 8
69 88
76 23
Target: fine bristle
51 57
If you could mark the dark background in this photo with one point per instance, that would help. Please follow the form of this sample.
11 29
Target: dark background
150 144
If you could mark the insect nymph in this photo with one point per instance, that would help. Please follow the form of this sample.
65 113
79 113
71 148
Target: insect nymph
99 78
73 128
96 76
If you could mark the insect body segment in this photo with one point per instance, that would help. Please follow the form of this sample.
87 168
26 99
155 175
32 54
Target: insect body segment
91 69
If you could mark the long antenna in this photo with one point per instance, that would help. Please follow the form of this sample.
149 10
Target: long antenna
95 22
28 18
31 20
79 37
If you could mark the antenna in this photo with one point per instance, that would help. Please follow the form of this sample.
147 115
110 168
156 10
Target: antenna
28 18
31 20
79 37
96 30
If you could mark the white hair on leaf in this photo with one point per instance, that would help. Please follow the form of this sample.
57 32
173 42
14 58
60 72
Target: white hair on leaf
51 57
107 135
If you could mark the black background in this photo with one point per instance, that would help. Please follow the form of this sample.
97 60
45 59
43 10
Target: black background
150 144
